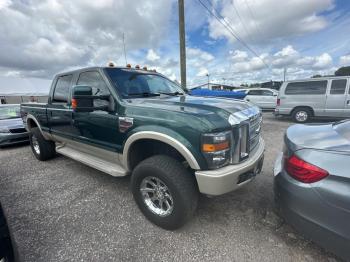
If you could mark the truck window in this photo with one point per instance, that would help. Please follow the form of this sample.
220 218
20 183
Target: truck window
338 87
255 92
62 88
95 80
307 88
99 86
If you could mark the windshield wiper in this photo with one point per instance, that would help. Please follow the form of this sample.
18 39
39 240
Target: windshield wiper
144 94
172 94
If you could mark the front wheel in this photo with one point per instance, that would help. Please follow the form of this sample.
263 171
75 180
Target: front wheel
165 191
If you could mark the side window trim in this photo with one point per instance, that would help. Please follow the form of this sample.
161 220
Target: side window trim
338 80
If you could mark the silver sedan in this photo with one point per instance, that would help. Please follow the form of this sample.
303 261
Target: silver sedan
312 184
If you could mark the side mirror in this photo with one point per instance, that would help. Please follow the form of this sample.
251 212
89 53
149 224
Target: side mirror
82 99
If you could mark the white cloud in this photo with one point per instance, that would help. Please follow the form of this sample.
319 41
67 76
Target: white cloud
152 56
344 60
266 20
238 55
40 38
323 61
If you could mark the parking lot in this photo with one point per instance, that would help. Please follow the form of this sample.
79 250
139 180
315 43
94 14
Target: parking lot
61 210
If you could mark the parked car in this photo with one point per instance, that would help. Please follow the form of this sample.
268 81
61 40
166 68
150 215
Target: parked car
265 98
315 97
312 183
12 130
130 121
6 251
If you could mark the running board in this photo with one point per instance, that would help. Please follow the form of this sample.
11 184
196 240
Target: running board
108 167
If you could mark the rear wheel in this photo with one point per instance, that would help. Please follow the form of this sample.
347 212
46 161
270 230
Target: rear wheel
301 115
42 149
165 191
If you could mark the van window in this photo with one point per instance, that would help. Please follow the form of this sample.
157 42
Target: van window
338 87
307 88
62 88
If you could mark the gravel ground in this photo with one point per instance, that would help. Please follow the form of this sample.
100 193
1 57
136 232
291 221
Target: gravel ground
61 210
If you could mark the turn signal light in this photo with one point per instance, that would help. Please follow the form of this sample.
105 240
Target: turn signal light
215 147
303 171
74 103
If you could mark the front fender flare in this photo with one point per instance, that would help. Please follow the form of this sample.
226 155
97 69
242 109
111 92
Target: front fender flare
180 147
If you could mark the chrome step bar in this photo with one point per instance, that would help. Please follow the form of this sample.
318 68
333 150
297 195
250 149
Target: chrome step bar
103 165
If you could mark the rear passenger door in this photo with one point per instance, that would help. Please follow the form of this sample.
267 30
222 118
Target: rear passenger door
58 110
336 98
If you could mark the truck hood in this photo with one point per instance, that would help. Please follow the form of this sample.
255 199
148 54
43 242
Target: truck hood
331 137
200 105
12 123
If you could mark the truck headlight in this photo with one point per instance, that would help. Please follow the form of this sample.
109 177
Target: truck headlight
216 148
4 130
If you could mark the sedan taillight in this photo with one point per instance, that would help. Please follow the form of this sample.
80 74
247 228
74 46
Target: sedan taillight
303 171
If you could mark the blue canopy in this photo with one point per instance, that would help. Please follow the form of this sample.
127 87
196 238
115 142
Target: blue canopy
218 93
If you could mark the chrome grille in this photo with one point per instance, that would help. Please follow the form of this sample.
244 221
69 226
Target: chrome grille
254 131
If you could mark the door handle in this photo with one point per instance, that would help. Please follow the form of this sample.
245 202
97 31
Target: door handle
348 102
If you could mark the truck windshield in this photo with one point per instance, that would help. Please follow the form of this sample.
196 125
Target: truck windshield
133 84
7 112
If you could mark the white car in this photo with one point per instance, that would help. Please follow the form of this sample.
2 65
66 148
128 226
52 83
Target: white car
265 98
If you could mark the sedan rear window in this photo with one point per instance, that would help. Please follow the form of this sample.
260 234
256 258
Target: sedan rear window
307 88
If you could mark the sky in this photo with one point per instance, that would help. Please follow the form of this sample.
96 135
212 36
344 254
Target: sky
39 38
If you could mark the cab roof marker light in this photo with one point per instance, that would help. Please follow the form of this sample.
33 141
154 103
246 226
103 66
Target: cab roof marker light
128 66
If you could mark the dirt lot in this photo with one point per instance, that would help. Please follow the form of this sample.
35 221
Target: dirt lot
62 210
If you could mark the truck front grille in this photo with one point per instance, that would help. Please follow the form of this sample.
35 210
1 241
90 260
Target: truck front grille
247 138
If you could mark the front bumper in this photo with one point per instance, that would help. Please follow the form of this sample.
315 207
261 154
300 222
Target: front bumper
229 178
11 139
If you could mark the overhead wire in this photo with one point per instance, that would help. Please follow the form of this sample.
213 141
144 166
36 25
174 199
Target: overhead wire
229 28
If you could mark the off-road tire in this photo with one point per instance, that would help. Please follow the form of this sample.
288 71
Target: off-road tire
306 112
47 149
180 182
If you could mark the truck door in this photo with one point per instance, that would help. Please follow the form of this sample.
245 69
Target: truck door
99 127
336 97
58 110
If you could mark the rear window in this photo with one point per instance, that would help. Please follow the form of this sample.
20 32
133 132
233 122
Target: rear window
338 87
62 88
307 88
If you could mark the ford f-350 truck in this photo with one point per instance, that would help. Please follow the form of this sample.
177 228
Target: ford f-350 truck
125 121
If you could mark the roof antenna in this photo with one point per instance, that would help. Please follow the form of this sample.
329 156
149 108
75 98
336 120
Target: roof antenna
126 61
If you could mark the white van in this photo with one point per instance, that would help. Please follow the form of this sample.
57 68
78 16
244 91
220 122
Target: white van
314 97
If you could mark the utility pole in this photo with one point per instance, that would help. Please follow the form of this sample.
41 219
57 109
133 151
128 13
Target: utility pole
182 43
208 79
284 74
126 61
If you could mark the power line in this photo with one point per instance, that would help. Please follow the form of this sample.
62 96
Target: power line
231 31
253 17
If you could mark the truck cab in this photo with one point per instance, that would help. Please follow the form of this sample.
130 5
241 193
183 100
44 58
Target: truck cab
125 121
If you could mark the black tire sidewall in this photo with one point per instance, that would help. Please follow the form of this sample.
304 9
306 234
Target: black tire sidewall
47 148
182 206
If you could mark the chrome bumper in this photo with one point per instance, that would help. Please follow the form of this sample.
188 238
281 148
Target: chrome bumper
229 178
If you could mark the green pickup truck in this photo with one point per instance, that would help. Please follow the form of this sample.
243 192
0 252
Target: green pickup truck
125 121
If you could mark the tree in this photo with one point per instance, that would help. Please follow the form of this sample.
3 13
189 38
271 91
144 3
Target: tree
316 76
343 71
